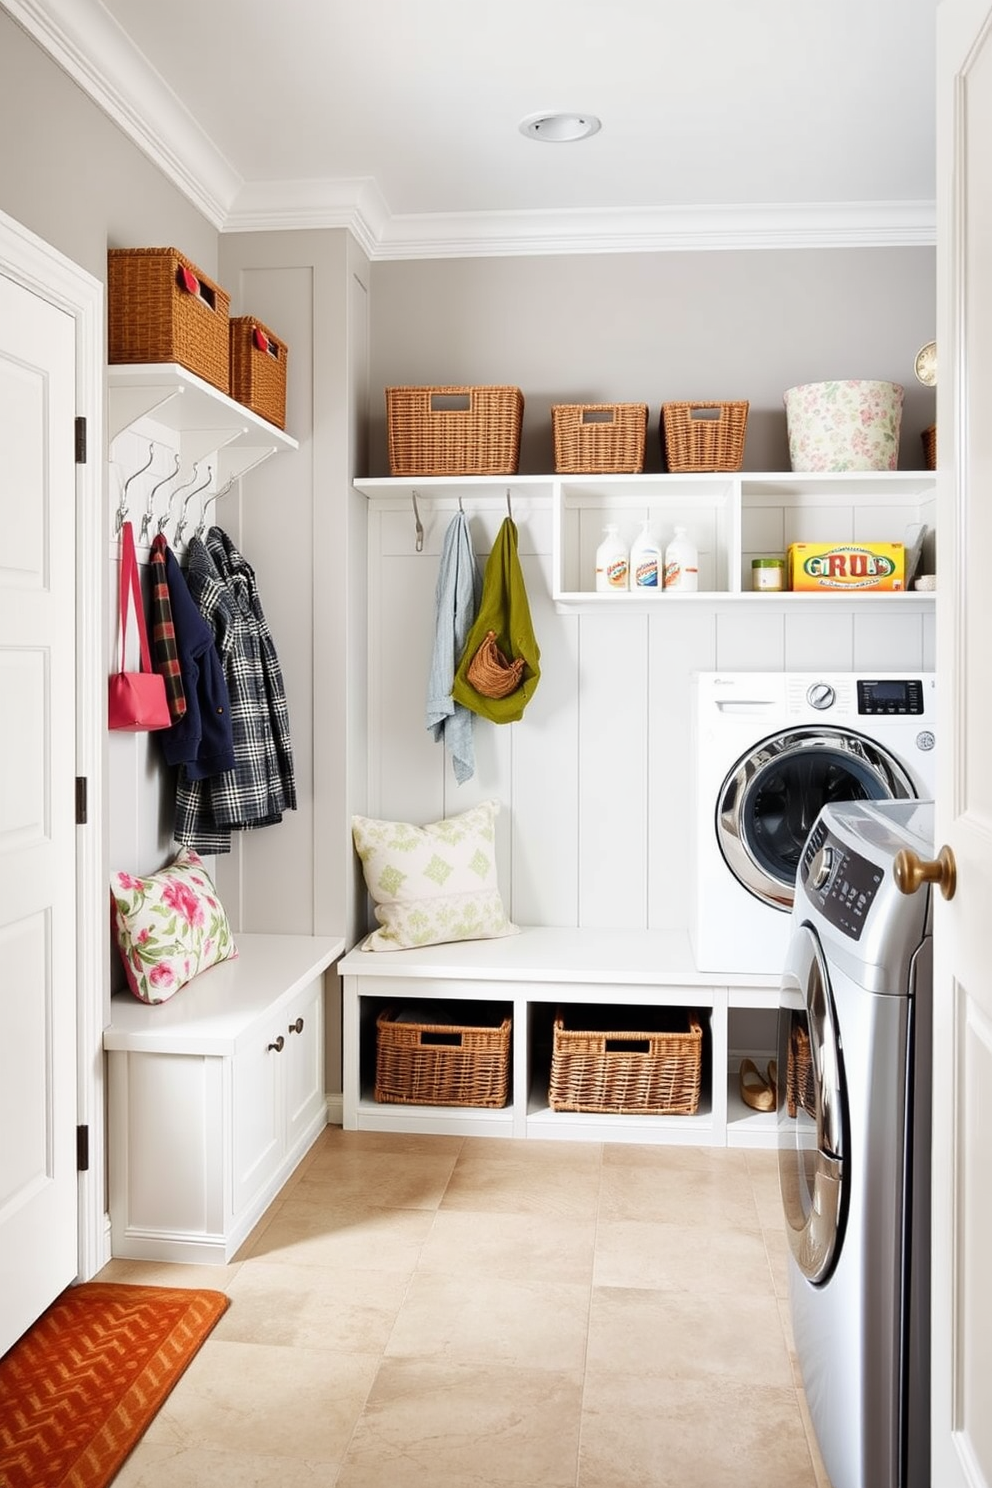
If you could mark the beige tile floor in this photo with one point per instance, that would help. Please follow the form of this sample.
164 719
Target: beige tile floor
437 1312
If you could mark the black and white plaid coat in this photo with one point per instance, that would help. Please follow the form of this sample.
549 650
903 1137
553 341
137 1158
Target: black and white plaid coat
262 784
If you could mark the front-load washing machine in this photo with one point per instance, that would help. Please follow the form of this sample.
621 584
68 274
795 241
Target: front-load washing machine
854 1124
771 749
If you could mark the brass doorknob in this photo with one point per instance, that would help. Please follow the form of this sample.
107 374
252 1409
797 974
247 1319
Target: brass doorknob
910 871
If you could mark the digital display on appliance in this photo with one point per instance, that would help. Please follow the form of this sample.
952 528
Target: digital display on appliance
890 697
841 883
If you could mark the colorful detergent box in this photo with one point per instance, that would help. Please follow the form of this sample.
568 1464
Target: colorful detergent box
846 568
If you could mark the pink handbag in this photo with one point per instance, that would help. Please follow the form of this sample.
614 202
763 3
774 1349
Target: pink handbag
136 700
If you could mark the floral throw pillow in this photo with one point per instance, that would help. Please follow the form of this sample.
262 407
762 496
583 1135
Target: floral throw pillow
169 925
432 884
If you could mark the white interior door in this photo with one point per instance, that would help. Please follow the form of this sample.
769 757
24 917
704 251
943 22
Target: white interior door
38 1184
962 1093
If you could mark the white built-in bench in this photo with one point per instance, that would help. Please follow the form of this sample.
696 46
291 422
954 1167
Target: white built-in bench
214 1097
532 974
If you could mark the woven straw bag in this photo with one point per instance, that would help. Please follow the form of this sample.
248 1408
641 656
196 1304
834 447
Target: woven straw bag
489 671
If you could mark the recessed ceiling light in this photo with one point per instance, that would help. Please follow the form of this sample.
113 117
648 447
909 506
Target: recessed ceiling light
559 129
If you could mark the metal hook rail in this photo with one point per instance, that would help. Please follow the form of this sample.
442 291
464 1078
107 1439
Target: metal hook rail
181 524
146 519
201 525
122 504
163 520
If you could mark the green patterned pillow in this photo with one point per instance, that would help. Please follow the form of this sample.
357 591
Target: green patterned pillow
432 884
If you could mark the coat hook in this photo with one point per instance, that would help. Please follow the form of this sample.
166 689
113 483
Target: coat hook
164 518
419 523
201 525
122 507
147 518
509 508
181 524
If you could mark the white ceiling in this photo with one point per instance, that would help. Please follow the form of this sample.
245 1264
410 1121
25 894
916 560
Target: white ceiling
724 121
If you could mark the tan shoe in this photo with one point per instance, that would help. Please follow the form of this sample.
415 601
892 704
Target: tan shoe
755 1089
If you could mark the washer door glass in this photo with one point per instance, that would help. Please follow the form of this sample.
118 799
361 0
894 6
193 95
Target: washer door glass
812 1112
768 803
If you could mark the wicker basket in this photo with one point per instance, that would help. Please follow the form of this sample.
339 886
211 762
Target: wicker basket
704 436
929 437
443 1063
599 438
454 430
162 309
653 1070
799 1089
258 369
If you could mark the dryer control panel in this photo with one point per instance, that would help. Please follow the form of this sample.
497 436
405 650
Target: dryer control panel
890 697
841 883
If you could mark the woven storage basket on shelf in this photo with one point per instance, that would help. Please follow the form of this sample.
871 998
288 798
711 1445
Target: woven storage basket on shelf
599 438
799 1089
929 437
454 430
258 369
443 1063
704 436
655 1070
160 308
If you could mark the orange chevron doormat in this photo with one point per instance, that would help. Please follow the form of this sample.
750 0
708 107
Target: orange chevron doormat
80 1387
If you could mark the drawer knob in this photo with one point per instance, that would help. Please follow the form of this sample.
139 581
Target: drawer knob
296 1027
278 1045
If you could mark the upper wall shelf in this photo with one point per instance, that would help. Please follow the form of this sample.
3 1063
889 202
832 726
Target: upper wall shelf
204 418
731 518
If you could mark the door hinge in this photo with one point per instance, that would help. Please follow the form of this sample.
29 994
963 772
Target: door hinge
80 441
82 1149
81 783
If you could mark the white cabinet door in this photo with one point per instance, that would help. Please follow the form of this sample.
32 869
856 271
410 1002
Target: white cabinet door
257 1125
38 1182
962 1023
303 1071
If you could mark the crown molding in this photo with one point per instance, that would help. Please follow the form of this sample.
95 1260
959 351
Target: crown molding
661 229
83 39
275 206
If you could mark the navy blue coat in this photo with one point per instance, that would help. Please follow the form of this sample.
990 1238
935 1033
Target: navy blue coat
203 738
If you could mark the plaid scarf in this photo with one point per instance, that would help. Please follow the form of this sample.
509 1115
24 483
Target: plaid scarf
163 638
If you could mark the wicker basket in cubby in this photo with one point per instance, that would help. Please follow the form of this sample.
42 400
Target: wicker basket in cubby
929 437
638 1060
599 438
703 437
454 430
426 1057
258 369
161 308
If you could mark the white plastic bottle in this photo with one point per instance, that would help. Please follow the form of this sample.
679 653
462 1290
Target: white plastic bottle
612 562
681 563
645 561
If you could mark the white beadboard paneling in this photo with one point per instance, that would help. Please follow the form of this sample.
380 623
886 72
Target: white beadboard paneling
751 640
677 647
888 640
612 742
545 768
407 772
815 638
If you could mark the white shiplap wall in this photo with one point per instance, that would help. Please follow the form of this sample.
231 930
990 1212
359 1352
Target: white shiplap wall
595 783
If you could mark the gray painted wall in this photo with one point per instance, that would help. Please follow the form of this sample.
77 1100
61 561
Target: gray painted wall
653 327
70 175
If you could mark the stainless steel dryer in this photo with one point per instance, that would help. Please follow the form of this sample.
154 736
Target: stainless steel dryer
854 1141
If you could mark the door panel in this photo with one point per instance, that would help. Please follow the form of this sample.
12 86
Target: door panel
38 1184
962 1023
